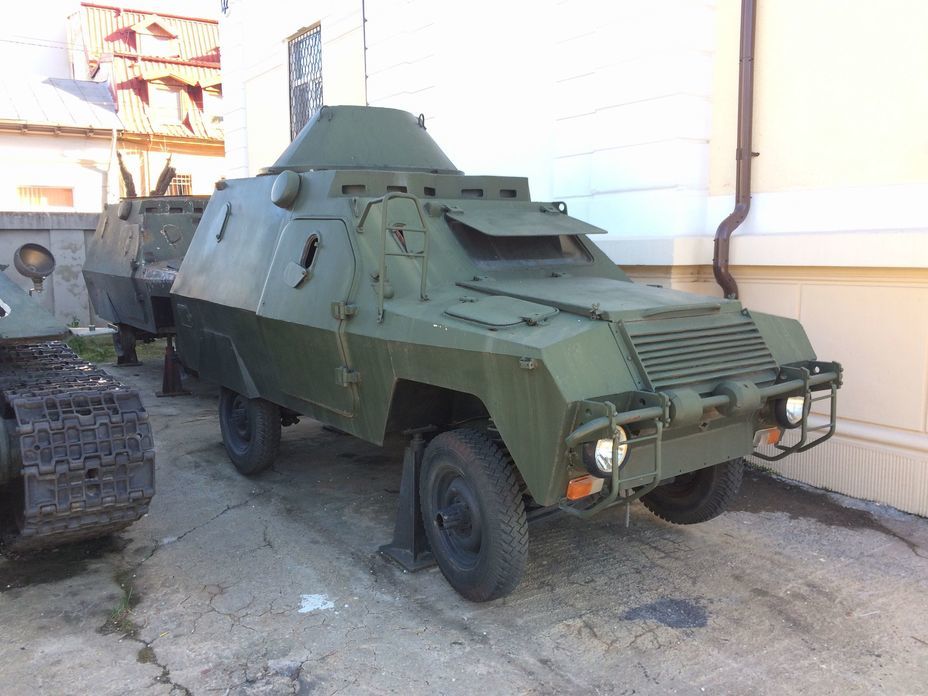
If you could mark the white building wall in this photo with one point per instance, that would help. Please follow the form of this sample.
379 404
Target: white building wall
76 162
254 39
232 41
578 96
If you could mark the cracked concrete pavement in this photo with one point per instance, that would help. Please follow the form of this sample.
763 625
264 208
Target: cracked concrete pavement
273 585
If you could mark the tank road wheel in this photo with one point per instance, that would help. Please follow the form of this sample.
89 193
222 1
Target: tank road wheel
250 431
698 496
473 514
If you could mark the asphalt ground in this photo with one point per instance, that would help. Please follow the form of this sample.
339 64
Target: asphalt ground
274 585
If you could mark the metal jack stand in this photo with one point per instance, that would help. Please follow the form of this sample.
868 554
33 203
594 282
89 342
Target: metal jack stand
124 344
409 547
171 384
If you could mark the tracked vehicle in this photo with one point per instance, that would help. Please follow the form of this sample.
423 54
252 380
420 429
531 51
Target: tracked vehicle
131 262
76 451
365 281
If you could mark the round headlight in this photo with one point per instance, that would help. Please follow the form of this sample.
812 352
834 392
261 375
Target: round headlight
790 411
598 458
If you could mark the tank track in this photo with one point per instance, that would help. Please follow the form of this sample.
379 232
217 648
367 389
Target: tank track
81 444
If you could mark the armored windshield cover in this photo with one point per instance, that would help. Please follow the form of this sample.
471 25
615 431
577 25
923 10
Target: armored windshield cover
364 137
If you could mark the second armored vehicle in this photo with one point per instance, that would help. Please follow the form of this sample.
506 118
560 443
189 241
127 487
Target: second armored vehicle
364 281
131 262
77 459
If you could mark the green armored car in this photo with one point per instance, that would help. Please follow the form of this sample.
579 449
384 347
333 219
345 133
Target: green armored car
364 281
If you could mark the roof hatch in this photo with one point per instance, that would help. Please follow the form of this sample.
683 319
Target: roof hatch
500 312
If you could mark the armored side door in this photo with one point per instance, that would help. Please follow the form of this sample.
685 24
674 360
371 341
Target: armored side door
301 315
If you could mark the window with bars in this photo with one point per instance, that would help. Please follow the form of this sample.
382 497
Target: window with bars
181 185
305 78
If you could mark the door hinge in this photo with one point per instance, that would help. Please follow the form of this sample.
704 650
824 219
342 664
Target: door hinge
344 310
345 376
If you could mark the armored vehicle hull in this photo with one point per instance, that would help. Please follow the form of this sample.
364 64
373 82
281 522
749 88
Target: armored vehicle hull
377 289
131 262
76 451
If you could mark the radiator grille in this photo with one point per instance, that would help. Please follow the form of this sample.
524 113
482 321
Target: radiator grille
699 351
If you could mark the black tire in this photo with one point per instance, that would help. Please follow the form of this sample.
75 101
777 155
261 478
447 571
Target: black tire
250 431
468 478
698 496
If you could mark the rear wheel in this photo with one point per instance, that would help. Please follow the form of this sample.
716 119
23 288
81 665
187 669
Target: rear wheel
698 496
473 514
250 431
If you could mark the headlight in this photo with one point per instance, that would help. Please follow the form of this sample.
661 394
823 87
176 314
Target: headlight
791 411
598 458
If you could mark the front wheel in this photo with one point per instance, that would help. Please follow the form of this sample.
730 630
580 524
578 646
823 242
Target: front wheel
698 496
473 514
250 431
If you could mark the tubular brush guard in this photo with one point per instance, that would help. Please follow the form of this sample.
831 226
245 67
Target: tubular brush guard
655 409
810 375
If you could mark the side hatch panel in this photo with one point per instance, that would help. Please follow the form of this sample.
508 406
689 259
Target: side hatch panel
313 267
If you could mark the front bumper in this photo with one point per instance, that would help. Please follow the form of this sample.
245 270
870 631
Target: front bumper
657 411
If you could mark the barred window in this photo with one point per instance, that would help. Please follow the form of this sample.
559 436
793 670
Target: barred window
305 78
181 185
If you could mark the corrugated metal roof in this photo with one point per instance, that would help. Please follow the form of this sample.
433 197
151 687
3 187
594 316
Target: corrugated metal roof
131 77
115 31
58 102
110 29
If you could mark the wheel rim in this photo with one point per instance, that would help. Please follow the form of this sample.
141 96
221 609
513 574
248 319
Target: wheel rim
456 517
240 423
682 486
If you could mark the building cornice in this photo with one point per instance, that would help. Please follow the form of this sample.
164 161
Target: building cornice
150 139
25 128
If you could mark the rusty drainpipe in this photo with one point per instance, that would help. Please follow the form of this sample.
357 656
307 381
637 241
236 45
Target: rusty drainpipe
743 153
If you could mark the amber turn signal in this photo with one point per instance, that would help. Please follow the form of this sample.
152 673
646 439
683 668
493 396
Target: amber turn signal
770 436
582 486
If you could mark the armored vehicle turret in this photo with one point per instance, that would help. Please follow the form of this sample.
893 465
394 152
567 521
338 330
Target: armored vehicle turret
76 451
131 262
363 280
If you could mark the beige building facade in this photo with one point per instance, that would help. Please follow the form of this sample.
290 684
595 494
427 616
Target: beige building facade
626 110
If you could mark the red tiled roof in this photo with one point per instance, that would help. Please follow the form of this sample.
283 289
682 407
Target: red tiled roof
113 30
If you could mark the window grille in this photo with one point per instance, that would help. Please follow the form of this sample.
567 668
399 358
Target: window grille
305 78
181 185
